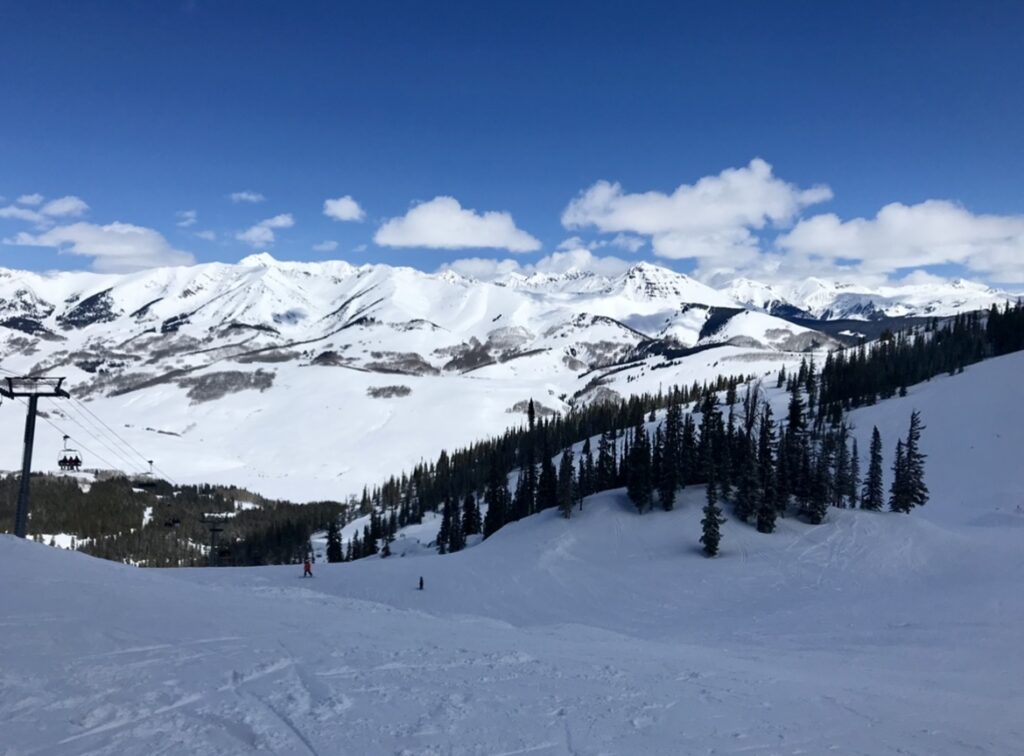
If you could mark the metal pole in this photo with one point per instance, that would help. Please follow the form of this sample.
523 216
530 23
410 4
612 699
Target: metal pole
21 514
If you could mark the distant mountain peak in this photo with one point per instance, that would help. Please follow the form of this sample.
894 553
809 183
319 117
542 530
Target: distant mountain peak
258 259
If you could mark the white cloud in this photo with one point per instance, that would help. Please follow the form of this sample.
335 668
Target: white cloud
483 268
712 218
627 242
187 218
15 212
246 196
343 209
578 259
69 206
262 234
442 223
114 247
325 246
922 278
65 207
207 235
934 232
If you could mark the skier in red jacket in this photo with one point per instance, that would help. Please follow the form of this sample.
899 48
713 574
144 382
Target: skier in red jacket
307 568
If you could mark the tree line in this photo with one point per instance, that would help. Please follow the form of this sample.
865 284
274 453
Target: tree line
811 458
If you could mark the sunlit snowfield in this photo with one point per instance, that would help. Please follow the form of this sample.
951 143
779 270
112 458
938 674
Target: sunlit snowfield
875 633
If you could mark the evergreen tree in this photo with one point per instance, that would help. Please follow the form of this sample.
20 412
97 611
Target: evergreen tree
767 509
916 491
669 476
606 464
334 552
711 533
496 495
841 479
639 483
898 501
566 483
818 491
547 486
585 484
471 524
444 533
747 494
456 538
871 498
689 459
853 484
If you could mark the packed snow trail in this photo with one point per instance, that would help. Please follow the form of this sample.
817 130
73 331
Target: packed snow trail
875 633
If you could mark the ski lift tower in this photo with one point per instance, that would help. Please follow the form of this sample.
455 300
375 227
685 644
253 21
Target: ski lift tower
31 388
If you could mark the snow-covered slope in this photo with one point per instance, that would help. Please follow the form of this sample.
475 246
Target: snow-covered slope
609 633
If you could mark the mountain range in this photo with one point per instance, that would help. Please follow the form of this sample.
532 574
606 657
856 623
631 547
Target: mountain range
310 380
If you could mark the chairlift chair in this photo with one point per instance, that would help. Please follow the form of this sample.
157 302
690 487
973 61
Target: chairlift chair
68 459
146 479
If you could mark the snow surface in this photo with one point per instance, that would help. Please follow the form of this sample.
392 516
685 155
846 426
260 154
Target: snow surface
874 633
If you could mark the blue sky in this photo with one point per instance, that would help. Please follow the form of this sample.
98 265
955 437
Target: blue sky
145 110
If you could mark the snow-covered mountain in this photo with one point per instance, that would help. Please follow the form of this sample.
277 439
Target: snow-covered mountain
829 300
310 380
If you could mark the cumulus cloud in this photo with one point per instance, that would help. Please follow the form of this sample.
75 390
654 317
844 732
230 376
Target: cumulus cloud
325 246
934 232
187 218
442 223
262 234
562 261
115 247
246 196
343 209
63 207
712 218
